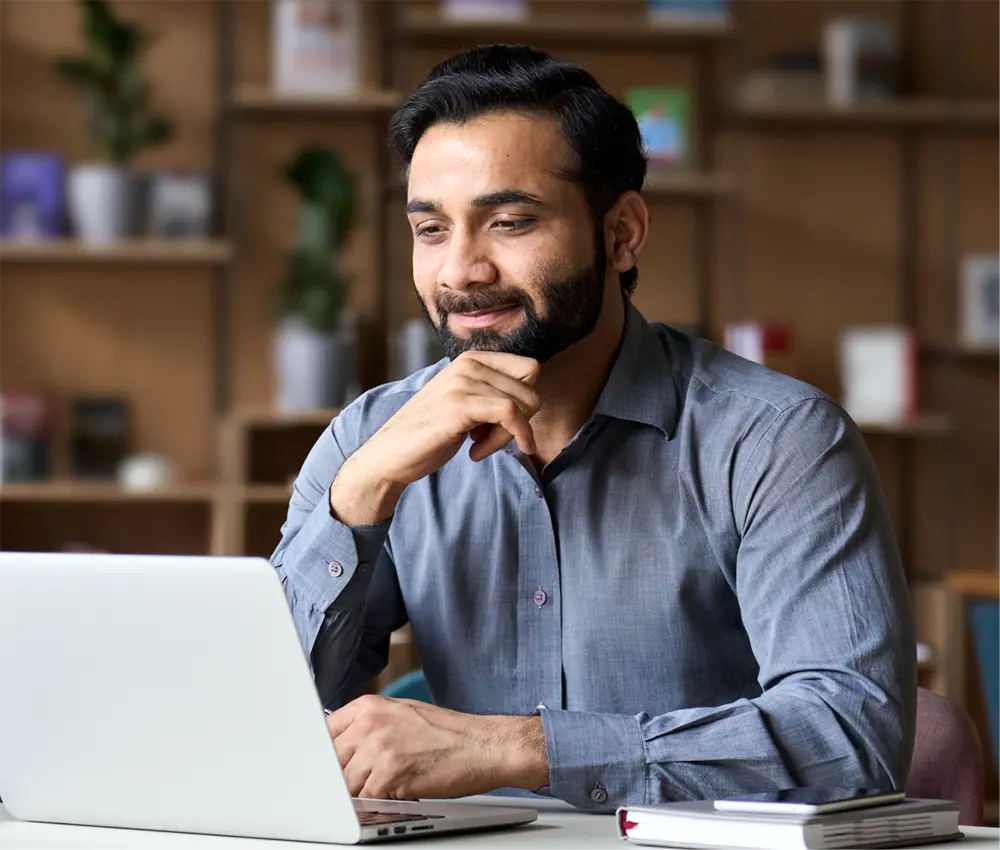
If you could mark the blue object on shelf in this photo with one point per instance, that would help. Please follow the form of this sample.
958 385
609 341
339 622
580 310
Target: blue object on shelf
412 685
985 621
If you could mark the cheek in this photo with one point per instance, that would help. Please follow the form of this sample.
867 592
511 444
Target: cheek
425 269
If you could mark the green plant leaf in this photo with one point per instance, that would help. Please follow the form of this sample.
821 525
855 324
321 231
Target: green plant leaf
153 131
84 72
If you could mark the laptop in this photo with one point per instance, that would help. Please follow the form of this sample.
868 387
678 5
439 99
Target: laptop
172 693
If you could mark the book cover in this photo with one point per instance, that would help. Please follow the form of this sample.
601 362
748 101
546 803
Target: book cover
663 115
25 436
99 437
878 370
687 11
767 344
316 46
484 10
980 300
31 196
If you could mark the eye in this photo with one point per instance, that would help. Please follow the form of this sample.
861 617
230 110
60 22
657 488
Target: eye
428 231
514 224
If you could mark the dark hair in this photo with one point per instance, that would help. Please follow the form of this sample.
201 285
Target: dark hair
600 130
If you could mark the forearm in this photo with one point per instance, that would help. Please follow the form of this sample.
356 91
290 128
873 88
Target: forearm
817 729
518 752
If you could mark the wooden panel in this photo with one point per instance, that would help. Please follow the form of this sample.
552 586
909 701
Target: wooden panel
134 252
129 528
141 334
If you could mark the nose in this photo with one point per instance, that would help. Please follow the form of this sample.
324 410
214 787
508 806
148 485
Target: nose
465 263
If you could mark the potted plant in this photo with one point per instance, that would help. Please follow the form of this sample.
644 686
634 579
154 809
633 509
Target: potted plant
102 196
315 347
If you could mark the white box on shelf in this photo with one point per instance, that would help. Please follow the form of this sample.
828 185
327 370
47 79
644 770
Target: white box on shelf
861 59
316 46
484 10
980 293
878 366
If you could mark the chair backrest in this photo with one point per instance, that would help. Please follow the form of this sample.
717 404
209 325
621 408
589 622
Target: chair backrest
947 757
410 685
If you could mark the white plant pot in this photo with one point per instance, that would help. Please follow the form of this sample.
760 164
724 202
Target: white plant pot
309 371
100 203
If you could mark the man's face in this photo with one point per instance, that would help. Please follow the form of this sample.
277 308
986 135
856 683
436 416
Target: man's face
504 254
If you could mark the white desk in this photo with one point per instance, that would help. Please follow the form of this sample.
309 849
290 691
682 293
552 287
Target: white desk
557 827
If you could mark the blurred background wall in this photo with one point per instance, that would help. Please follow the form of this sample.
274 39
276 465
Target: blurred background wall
824 195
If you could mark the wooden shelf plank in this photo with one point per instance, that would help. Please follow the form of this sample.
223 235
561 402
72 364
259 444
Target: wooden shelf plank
922 425
917 111
980 583
963 350
167 251
627 32
265 494
687 184
67 492
268 418
261 98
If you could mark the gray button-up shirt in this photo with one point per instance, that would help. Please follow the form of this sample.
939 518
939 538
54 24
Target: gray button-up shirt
701 595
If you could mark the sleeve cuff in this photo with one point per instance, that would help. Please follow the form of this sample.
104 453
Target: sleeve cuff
596 761
326 556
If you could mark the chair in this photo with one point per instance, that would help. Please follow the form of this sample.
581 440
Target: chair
947 757
411 685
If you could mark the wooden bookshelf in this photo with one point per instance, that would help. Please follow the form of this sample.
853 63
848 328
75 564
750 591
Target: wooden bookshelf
963 350
264 494
263 99
263 417
922 425
623 32
894 113
691 184
979 583
161 251
101 492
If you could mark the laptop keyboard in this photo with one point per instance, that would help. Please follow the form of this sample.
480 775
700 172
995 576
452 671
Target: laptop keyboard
369 818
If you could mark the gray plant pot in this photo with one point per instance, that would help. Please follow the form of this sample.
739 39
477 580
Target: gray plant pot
309 368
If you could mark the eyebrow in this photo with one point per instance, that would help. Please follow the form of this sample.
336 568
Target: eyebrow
500 198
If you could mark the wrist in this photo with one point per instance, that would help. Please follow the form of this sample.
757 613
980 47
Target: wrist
359 496
518 753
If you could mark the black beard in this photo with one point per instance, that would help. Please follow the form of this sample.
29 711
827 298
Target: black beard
572 308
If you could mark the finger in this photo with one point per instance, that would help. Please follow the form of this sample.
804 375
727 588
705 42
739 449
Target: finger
503 411
525 395
357 772
346 748
338 721
517 367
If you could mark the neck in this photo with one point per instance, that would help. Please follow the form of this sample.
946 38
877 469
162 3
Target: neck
570 384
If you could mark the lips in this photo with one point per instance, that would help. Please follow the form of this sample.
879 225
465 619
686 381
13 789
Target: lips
485 318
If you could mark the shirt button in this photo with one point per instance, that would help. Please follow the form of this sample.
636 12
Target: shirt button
335 569
598 794
540 597
538 492
541 707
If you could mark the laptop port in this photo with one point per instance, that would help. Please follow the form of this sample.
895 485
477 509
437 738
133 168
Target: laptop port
399 830
420 828
383 830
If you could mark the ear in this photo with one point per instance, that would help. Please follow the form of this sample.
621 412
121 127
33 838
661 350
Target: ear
628 222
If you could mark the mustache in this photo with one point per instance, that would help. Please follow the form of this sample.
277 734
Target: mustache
475 300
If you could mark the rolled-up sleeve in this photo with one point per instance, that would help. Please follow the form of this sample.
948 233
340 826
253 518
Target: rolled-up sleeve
823 600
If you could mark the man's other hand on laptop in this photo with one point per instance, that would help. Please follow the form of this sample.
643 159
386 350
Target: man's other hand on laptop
398 749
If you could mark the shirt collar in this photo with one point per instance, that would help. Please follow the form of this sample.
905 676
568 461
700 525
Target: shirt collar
643 384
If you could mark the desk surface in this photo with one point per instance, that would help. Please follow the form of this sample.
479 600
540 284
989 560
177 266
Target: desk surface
556 828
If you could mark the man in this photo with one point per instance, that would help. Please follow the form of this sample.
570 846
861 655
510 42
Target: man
637 567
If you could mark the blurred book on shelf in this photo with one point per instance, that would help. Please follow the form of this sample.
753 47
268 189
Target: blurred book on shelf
878 372
180 204
767 344
25 436
663 115
861 58
790 76
316 46
687 11
980 297
414 347
31 196
99 430
484 10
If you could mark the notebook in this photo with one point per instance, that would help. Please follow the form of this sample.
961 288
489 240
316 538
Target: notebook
700 825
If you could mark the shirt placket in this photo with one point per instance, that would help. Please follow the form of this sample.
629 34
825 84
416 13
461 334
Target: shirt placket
539 601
